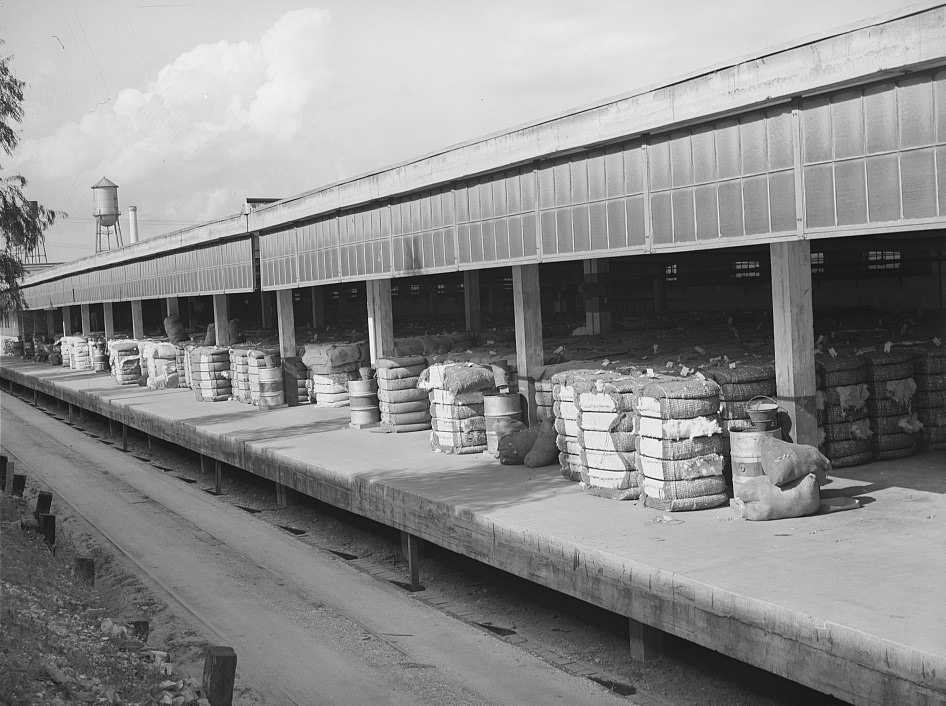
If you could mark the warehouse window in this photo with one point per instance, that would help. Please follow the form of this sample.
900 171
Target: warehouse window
393 290
441 290
882 260
670 273
415 290
746 269
817 263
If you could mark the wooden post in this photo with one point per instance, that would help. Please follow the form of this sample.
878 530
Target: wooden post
44 501
109 322
47 527
204 462
85 570
287 342
35 397
140 629
794 339
265 311
380 318
528 314
282 495
18 485
218 477
67 321
221 319
172 306
410 546
660 288
50 324
219 674
86 319
318 307
3 473
124 437
137 320
597 301
646 642
148 436
471 300
69 405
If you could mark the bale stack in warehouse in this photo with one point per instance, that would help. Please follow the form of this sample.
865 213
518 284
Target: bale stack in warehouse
124 361
159 363
842 401
265 378
606 436
295 374
98 350
929 402
893 423
740 385
455 393
239 374
210 373
404 406
79 356
565 413
679 445
331 366
65 351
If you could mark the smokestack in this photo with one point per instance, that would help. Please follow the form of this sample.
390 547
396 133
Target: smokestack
133 223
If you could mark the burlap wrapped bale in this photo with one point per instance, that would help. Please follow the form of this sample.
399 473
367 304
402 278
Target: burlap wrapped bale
784 462
763 500
513 446
544 451
684 469
457 377
174 328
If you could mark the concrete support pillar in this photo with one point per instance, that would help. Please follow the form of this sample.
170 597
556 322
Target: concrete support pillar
318 307
50 323
172 305
527 303
137 320
596 296
794 338
86 319
380 318
221 319
471 300
287 342
109 323
67 321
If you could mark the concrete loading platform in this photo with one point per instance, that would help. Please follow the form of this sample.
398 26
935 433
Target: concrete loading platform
848 603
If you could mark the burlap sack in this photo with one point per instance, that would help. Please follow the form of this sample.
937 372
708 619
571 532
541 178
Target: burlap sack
784 462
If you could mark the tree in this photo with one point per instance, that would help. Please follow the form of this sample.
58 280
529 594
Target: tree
23 223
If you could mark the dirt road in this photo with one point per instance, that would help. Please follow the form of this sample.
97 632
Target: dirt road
307 628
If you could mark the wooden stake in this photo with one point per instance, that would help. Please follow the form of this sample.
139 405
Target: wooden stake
18 485
44 502
140 629
410 546
47 527
219 674
646 642
3 473
218 477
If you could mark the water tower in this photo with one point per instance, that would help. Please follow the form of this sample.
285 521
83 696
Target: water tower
105 197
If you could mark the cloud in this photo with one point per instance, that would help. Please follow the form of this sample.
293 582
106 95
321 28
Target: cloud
201 122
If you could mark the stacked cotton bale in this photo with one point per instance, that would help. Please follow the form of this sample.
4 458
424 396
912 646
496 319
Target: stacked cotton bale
893 423
239 374
183 369
98 351
738 386
159 363
65 350
331 366
680 444
188 367
124 361
606 436
210 373
79 356
565 412
929 402
456 392
843 400
266 378
404 407
296 374
543 399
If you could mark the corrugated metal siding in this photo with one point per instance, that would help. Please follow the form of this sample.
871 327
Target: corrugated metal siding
495 219
876 154
227 267
318 254
423 233
278 254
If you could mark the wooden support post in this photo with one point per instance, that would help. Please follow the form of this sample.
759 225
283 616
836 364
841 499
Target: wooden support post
794 339
282 495
140 629
137 320
124 437
286 320
148 436
221 319
172 306
318 308
109 322
218 477
35 397
660 289
50 324
85 570
4 460
471 300
67 321
86 319
410 546
646 643
528 314
204 463
69 405
44 502
47 527
111 426
597 301
219 673
380 318
18 485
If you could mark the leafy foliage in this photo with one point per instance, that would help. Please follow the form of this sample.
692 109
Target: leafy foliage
22 222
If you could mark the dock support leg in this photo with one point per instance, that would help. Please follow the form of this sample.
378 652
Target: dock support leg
124 437
410 546
218 477
111 426
70 413
149 442
35 398
282 495
646 642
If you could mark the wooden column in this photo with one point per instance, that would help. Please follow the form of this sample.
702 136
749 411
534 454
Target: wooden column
528 313
380 318
660 289
265 310
86 319
50 323
471 300
318 307
67 321
172 305
794 338
109 323
646 643
221 319
595 291
137 320
286 321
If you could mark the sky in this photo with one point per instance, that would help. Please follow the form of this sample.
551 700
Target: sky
191 107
